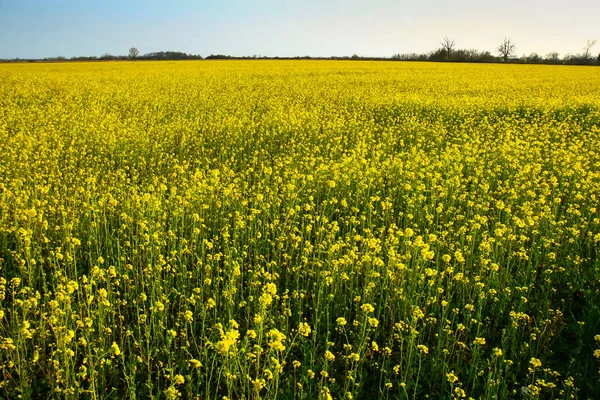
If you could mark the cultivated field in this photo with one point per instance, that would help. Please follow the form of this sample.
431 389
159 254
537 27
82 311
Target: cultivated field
305 229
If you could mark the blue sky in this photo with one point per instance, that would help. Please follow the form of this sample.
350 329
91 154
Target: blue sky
44 28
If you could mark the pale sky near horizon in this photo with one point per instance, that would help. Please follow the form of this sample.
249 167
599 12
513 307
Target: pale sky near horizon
380 28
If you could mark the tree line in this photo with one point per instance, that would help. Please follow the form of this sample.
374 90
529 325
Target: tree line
133 55
505 52
447 52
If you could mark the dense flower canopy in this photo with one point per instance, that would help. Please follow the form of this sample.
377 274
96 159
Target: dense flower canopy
310 228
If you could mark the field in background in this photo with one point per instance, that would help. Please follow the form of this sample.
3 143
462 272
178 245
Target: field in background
299 230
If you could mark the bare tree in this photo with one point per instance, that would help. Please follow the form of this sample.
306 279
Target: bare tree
506 49
133 53
587 54
448 45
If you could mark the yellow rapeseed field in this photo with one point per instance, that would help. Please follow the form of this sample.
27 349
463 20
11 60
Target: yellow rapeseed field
299 230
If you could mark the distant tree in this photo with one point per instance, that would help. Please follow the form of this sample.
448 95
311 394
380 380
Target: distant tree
552 56
506 49
219 57
534 58
448 46
133 53
355 56
569 58
587 54
170 55
410 57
